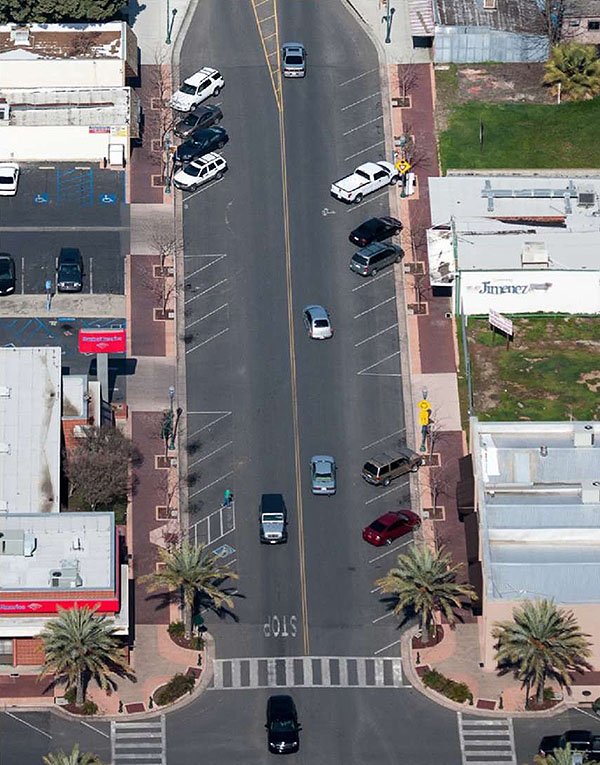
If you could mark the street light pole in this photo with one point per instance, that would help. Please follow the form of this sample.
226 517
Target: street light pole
170 21
388 20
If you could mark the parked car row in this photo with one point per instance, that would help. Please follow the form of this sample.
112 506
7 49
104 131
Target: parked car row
69 272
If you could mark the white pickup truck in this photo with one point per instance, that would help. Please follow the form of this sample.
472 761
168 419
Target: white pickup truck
364 180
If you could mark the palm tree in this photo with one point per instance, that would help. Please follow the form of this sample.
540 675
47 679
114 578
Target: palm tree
559 757
80 645
425 581
74 757
542 641
191 569
576 68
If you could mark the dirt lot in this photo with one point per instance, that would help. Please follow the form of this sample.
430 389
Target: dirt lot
550 372
493 83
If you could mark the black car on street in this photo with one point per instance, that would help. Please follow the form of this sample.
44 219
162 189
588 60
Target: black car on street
375 230
282 725
7 274
199 118
200 143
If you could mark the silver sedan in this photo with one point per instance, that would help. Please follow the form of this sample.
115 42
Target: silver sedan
317 322
322 474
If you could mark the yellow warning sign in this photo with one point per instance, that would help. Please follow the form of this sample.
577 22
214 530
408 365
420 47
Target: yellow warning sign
403 166
424 409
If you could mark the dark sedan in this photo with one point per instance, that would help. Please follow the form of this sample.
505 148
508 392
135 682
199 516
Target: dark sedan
200 143
580 741
390 526
69 270
7 274
375 230
199 118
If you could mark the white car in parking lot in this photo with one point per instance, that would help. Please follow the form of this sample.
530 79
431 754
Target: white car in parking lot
207 168
9 179
196 89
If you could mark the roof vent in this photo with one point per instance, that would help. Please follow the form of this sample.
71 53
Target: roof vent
4 389
590 492
583 435
20 35
4 448
534 255
586 197
489 5
543 451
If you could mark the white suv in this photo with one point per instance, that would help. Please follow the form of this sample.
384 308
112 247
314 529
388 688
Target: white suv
207 168
196 89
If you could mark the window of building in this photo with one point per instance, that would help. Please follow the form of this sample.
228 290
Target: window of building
6 651
574 22
593 24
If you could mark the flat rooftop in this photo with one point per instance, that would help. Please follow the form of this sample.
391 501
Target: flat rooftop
30 402
58 552
62 41
508 15
70 107
538 493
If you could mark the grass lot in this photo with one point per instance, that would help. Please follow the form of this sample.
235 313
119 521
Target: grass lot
551 372
521 135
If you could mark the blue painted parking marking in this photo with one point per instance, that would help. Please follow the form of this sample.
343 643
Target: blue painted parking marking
75 186
223 551
41 199
108 199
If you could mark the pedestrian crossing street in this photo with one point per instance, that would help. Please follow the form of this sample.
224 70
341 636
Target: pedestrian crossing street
138 743
308 672
485 741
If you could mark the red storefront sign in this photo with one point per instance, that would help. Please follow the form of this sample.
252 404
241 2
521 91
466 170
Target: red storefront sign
102 341
35 607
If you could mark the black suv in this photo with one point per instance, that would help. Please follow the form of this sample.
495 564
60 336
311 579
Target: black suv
200 143
69 270
198 118
580 741
282 725
375 230
7 274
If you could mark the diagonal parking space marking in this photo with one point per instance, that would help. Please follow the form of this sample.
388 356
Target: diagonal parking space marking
206 456
226 517
385 438
389 551
384 494
209 340
362 151
207 255
206 315
204 488
26 724
372 337
381 618
361 101
208 265
358 127
368 310
358 77
365 372
206 187
372 279
204 292
223 415
367 201
386 647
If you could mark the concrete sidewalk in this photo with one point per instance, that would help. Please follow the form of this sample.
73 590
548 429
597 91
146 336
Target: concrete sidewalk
64 304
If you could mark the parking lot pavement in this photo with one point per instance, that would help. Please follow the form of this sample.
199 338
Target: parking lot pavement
67 206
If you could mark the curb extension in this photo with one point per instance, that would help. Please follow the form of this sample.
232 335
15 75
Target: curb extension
199 689
416 682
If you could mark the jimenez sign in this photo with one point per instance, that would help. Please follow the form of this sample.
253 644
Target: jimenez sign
487 288
33 607
102 341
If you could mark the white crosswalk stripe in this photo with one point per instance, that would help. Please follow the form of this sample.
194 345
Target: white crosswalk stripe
486 741
308 672
138 742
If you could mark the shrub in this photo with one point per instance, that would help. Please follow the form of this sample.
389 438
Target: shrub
88 708
176 629
450 688
71 695
174 689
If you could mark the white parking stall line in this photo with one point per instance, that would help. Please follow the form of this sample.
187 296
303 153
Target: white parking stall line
210 424
358 127
204 488
366 202
204 292
217 258
28 725
372 279
385 438
381 618
386 647
385 493
358 77
91 276
206 315
91 727
200 191
362 151
207 255
368 310
210 339
367 373
390 550
372 337
361 101
374 590
22 275
210 454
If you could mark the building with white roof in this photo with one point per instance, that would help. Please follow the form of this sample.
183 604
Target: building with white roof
30 435
519 243
537 500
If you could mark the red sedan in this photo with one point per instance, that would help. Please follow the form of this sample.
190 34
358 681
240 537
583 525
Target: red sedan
390 526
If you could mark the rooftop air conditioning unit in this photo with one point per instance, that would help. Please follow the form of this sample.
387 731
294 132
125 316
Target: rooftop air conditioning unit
590 492
583 435
489 5
586 197
534 255
20 35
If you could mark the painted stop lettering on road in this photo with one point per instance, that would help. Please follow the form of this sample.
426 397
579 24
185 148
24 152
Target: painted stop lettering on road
284 626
